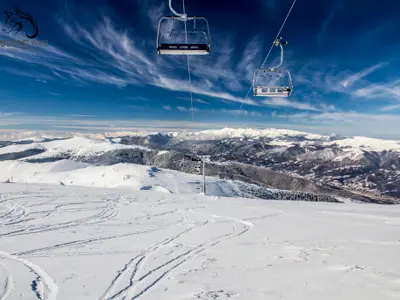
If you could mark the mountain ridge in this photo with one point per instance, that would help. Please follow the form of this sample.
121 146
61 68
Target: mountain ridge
365 168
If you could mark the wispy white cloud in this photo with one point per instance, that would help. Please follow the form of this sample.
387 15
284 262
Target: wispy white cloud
186 109
390 107
81 123
38 55
284 102
390 91
329 79
183 86
353 116
234 112
327 107
241 112
136 107
201 101
251 59
81 115
333 12
364 73
155 12
194 100
6 114
136 98
123 57
30 74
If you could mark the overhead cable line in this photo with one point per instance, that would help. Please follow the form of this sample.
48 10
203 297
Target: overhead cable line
269 52
188 66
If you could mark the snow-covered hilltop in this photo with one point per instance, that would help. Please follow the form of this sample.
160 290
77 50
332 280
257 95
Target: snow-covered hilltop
362 168
75 146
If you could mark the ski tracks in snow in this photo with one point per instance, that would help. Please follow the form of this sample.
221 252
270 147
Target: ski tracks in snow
15 221
7 284
138 262
47 292
192 231
110 211
141 282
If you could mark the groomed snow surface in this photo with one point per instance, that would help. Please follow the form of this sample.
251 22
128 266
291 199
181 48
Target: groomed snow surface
61 242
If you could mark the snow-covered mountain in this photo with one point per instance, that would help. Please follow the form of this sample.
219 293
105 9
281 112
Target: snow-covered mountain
362 165
361 168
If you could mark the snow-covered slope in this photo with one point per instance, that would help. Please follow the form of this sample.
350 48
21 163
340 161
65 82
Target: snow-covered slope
75 146
130 176
63 243
143 178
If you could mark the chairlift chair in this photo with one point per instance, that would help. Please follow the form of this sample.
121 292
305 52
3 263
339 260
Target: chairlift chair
281 86
196 46
273 82
184 47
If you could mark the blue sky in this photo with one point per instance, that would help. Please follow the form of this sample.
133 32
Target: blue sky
101 71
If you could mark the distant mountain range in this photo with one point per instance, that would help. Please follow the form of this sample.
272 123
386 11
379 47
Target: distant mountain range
360 168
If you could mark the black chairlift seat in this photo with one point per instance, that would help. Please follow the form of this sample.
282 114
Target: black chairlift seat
182 49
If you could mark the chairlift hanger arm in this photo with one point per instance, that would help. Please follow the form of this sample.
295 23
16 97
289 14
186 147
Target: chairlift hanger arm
181 16
278 42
